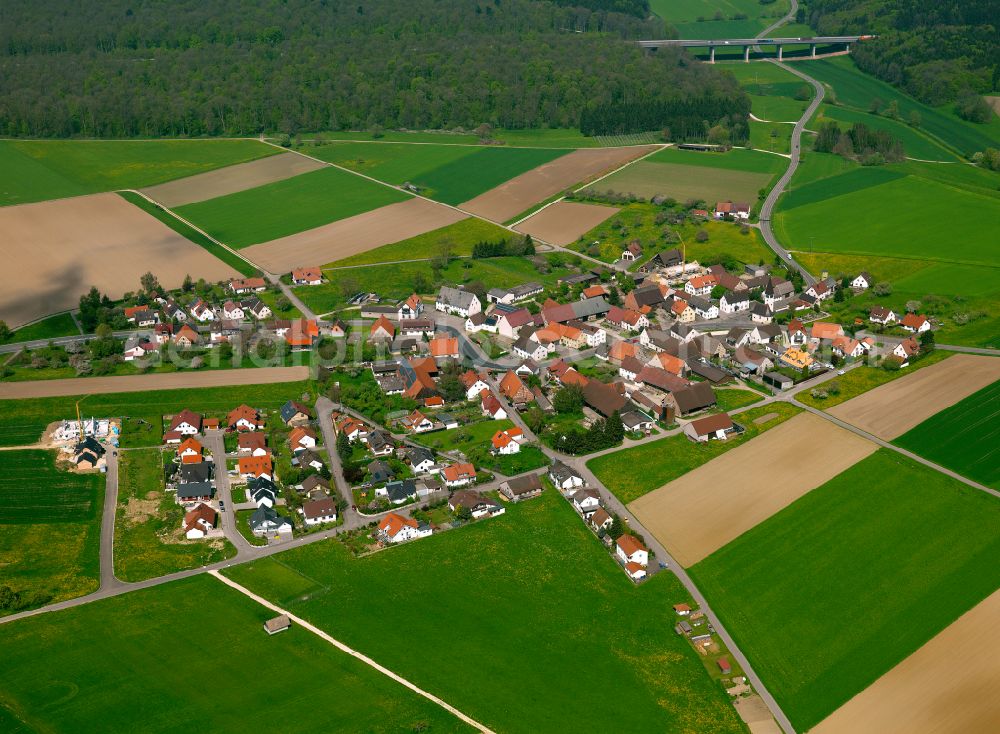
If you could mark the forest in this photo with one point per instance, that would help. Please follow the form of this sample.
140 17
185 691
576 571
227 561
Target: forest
122 68
937 51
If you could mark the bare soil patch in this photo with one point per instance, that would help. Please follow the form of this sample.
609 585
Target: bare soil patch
139 383
563 222
994 102
138 511
892 409
359 233
765 418
231 179
947 686
755 715
522 192
54 251
707 508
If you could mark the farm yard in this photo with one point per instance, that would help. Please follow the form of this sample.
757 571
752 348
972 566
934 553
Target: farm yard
283 208
520 193
537 562
964 437
811 609
56 250
57 673
563 222
354 235
928 691
231 179
710 506
891 410
38 170
49 528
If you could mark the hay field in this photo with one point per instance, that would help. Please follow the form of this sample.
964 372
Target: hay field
707 508
684 183
893 409
948 685
353 235
231 179
55 251
522 192
565 221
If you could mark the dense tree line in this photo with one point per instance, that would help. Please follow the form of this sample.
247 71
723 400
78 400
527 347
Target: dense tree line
519 247
682 116
223 67
638 8
860 142
936 51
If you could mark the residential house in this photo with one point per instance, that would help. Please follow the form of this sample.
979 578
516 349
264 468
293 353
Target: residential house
185 423
760 314
630 550
201 311
477 504
381 443
717 426
795 358
163 333
632 252
379 472
846 346
265 520
474 383
411 308
420 459
701 285
751 362
703 308
481 322
820 290
307 276
796 334
564 477
199 521
626 320
586 501
914 323
255 467
247 285
186 337
417 422
629 368
882 315
862 281
507 442
600 520
295 414
732 210
491 406
319 512
194 472
514 389
232 310
459 475
395 528
252 443
906 349
244 418
338 329
300 438
529 347
682 311
513 295
315 486
256 308
307 458
521 488
398 492
509 324
262 491
190 451
444 347
635 421
382 330
191 492
734 302
457 302
174 312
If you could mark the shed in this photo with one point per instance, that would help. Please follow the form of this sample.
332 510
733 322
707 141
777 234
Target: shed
277 624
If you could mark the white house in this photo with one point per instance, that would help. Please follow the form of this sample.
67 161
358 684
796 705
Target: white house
882 315
318 512
201 311
459 475
509 324
457 302
256 307
701 285
862 281
564 478
421 459
418 422
528 348
734 302
914 323
507 442
586 501
473 383
199 521
491 406
136 348
630 550
233 311
398 529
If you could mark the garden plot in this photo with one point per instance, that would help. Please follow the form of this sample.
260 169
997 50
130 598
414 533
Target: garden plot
231 179
893 409
708 507
565 221
55 251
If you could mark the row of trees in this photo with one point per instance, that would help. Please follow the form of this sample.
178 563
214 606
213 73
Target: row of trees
860 142
518 247
719 117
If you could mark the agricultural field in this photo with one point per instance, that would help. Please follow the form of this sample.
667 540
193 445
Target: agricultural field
885 520
149 540
537 562
287 207
61 324
57 677
55 250
736 159
668 458
37 170
457 238
562 222
696 18
50 527
23 421
648 179
448 173
964 437
916 143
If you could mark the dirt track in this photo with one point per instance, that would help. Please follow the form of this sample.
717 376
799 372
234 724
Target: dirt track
359 233
948 686
563 222
892 409
53 251
522 192
138 383
708 507
231 179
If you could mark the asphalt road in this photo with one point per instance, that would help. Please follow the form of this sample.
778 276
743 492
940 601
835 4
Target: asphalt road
216 444
108 579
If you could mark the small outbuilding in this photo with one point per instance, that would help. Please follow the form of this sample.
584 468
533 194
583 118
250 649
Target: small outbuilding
277 624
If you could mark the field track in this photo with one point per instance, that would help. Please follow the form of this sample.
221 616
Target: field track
892 409
708 507
139 383
350 236
54 251
563 222
947 686
524 191
231 179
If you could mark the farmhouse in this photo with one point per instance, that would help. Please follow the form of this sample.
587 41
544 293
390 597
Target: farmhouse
515 294
307 276
247 285
382 330
826 330
457 302
514 389
521 488
410 309
737 210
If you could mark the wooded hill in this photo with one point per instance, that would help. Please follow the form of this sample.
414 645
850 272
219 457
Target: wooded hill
223 67
936 50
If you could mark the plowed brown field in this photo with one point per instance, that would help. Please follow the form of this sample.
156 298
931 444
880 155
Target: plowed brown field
563 222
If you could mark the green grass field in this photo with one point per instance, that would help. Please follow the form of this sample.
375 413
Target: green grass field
964 437
648 179
149 541
286 207
22 421
237 263
235 678
521 605
37 170
837 588
737 159
862 379
49 527
631 473
695 18
916 143
61 324
732 398
775 137
448 173
458 238
854 88
775 108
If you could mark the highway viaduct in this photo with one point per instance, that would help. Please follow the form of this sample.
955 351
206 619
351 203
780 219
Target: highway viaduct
747 43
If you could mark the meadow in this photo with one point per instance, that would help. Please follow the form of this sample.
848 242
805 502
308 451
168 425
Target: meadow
664 460
448 173
736 159
916 143
237 263
61 324
22 421
775 137
684 15
38 170
286 207
733 398
964 437
149 541
893 554
57 677
49 527
535 579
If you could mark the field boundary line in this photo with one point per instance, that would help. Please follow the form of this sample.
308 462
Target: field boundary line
354 653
